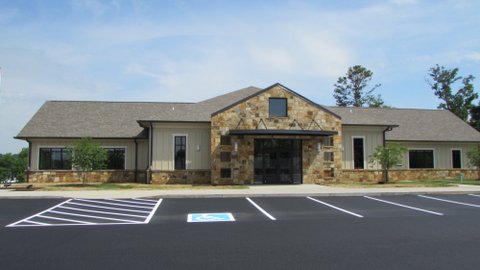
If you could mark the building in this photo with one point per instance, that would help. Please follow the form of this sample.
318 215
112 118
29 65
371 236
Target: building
271 136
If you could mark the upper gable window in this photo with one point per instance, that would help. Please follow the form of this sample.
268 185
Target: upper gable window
277 107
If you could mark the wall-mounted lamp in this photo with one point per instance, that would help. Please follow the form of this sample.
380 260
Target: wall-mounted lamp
198 147
235 146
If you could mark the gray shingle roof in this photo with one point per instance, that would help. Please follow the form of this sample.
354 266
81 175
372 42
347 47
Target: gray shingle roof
99 119
413 124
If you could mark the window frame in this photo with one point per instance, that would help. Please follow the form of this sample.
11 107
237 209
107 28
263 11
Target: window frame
186 150
421 149
461 157
124 157
353 152
40 147
269 107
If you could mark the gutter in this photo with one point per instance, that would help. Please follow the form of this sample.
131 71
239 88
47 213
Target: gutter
150 155
29 159
389 128
136 160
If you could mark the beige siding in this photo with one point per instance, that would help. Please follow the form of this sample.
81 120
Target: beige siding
198 145
129 145
442 153
142 156
373 136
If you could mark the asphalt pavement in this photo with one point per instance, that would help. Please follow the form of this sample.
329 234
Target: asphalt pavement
435 231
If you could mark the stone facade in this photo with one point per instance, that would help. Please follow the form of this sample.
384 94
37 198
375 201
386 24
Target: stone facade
253 114
193 177
412 174
76 176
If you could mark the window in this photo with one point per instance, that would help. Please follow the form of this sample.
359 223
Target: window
456 159
327 141
420 159
225 156
180 152
328 156
225 173
277 107
55 159
225 140
358 154
116 159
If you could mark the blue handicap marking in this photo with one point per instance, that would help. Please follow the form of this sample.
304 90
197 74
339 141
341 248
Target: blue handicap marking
210 217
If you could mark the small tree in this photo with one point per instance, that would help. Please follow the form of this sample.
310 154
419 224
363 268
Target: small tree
474 157
87 156
387 156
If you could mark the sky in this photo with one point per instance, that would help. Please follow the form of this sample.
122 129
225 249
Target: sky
136 50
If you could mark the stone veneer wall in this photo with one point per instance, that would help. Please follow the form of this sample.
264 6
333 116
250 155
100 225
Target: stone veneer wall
76 176
254 114
181 177
412 174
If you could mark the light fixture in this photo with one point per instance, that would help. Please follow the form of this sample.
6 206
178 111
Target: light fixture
198 147
235 146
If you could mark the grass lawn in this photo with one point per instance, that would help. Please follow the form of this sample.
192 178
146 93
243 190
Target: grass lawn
116 186
410 183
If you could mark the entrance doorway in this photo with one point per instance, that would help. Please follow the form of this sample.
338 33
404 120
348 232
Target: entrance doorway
278 161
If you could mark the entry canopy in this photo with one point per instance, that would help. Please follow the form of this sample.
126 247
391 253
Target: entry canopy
282 132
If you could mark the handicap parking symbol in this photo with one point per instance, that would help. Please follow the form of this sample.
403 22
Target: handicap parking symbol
210 217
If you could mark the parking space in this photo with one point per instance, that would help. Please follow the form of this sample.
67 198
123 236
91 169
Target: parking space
93 212
264 209
177 210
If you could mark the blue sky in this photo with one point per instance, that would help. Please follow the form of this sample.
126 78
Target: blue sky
192 50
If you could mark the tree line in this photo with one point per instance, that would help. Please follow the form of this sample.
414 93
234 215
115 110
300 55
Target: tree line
456 92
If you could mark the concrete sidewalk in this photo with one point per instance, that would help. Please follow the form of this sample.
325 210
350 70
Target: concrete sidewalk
253 191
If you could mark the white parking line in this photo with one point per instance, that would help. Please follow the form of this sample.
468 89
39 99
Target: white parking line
141 203
62 210
405 206
110 208
261 209
334 207
449 201
153 211
117 204
32 216
475 195
99 212
65 219
36 222
89 216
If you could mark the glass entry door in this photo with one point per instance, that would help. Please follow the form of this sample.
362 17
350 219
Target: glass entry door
278 161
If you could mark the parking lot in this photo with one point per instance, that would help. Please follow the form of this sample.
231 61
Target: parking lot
356 232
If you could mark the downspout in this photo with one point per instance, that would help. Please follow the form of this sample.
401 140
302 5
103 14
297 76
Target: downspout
150 155
136 159
29 160
385 170
389 128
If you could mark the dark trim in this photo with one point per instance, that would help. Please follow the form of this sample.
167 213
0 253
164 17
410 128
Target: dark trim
270 87
143 123
282 132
